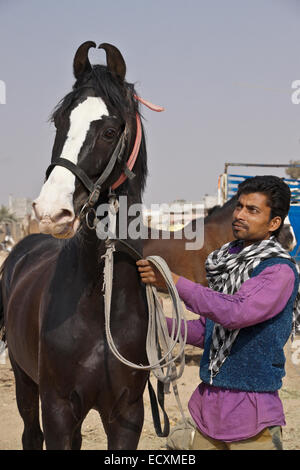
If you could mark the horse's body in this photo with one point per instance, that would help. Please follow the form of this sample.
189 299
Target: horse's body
217 232
52 288
191 263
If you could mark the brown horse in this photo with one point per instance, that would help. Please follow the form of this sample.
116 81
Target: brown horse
52 296
217 232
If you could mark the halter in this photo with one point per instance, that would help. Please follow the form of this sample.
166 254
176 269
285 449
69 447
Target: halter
94 189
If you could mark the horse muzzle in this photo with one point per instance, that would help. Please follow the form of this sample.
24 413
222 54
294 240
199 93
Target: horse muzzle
62 224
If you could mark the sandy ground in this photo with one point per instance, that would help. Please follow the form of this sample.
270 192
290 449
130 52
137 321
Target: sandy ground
93 434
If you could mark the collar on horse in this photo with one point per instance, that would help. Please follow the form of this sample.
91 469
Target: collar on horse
94 189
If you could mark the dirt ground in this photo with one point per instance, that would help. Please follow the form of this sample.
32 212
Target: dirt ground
93 434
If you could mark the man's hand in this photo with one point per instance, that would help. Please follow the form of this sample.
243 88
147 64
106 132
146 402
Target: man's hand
150 274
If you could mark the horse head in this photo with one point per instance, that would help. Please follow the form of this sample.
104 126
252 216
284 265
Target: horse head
96 131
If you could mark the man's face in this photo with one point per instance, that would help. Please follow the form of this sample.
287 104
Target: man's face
252 219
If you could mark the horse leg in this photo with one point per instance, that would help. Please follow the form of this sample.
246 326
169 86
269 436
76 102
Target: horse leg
62 426
123 432
27 395
77 438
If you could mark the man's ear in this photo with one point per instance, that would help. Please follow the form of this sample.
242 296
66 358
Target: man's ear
275 223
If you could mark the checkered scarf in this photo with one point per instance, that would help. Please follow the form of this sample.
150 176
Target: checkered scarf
226 273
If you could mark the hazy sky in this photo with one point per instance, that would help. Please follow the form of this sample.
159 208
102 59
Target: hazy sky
222 69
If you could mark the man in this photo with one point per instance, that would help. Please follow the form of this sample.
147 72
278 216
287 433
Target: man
246 317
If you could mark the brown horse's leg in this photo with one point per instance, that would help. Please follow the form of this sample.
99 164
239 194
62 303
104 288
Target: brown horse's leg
27 395
123 433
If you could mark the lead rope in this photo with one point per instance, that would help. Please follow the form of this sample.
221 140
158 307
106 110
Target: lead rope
159 344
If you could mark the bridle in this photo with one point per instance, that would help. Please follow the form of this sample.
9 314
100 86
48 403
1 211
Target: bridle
94 189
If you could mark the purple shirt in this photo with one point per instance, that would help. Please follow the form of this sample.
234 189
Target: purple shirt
232 415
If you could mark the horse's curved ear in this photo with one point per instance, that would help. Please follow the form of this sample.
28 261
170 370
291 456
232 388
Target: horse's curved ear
115 62
81 63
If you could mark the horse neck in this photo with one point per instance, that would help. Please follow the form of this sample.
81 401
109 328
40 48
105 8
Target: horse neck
222 216
218 228
88 249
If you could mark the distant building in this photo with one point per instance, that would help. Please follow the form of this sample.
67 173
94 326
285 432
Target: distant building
209 201
174 215
19 206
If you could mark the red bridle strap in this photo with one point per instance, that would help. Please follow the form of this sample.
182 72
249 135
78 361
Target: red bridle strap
132 159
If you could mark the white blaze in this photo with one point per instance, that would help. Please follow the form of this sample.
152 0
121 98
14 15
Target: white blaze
57 192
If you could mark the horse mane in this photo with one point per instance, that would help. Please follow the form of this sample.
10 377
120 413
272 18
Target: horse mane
121 98
214 213
217 210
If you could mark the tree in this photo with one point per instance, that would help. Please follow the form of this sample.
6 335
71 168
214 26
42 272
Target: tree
5 215
293 173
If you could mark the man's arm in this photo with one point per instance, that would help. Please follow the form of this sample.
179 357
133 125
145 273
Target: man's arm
258 299
195 328
150 275
195 331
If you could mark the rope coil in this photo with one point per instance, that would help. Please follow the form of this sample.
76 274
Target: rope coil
159 344
157 334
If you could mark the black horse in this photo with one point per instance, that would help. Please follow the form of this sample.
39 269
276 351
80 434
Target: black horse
52 282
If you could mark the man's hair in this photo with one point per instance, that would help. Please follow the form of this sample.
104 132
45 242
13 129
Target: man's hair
277 191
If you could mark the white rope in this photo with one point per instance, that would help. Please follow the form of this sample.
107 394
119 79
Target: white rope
159 344
157 334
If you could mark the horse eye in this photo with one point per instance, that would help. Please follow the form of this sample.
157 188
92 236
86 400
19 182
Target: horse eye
109 133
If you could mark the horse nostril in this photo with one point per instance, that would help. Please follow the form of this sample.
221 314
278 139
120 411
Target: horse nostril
35 210
64 215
